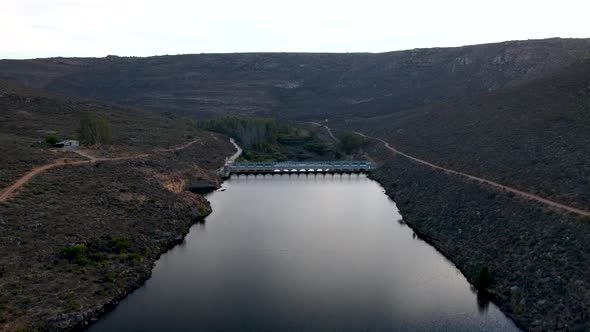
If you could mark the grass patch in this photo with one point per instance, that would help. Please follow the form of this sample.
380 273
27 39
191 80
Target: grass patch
97 257
119 244
109 277
131 258
70 303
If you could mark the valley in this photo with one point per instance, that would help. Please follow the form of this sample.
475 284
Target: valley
484 149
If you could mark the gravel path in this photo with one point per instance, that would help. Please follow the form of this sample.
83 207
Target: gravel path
482 180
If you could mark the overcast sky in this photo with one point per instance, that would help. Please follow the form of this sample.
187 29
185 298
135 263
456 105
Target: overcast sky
44 28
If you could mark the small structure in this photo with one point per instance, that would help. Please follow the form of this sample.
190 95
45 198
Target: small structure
68 144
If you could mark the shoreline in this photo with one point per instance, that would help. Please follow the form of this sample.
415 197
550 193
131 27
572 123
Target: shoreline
95 316
422 236
475 227
130 288
111 305
431 241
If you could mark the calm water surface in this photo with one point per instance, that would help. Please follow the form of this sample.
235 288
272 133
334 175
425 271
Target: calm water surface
303 252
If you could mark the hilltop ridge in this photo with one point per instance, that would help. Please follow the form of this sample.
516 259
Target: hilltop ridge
299 85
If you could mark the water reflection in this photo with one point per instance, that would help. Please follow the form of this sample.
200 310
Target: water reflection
483 300
304 252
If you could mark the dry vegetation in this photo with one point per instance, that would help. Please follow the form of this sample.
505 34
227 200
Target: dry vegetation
534 137
537 257
77 238
512 112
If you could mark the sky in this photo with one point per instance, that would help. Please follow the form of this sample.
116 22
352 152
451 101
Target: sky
48 28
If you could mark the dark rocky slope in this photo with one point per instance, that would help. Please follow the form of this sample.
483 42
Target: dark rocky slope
537 256
142 204
534 136
512 112
299 85
28 115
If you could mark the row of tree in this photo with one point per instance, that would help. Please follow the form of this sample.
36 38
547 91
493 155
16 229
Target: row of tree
266 135
254 133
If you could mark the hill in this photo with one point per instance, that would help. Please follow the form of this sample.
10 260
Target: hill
28 116
79 236
533 136
516 113
299 85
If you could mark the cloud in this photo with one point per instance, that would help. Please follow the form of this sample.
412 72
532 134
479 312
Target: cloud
41 28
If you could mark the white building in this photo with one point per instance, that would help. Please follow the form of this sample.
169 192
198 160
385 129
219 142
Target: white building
69 143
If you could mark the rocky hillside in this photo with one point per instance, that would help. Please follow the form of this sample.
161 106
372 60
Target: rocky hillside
533 136
514 112
28 116
537 257
77 238
299 85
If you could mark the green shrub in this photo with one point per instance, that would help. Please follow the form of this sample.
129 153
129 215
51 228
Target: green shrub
74 252
131 258
82 261
484 279
51 140
119 244
585 219
252 156
202 209
350 141
97 257
109 277
70 302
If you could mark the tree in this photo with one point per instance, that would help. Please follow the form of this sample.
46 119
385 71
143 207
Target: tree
95 129
484 279
350 141
51 140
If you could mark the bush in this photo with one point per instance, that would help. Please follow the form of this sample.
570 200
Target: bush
350 141
82 261
95 129
130 259
109 277
76 253
97 257
119 244
484 279
51 140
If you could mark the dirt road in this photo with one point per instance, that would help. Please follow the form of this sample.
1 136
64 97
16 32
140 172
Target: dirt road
336 140
482 180
178 148
8 192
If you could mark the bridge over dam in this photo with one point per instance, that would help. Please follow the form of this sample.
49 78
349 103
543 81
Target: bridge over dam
298 167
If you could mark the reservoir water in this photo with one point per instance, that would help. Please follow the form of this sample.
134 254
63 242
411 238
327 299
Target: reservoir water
303 253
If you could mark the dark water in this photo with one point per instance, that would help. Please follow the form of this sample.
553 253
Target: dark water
307 252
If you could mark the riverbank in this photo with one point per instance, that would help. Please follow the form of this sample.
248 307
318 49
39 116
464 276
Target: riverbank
119 216
261 263
537 256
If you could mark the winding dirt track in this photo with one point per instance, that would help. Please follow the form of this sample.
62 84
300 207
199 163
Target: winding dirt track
336 140
482 180
178 148
8 192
